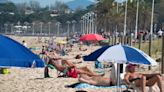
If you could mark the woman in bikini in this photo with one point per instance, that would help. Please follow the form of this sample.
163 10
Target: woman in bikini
142 80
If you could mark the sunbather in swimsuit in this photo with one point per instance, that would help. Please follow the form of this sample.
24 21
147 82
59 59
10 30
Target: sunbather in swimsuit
142 80
96 80
69 66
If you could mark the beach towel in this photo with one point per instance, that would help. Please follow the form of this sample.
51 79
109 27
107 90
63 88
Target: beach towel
85 85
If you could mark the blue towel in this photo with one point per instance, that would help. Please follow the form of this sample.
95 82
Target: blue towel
85 85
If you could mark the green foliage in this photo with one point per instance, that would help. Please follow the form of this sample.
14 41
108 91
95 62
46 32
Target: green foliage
8 7
7 11
156 49
161 13
107 16
63 18
39 14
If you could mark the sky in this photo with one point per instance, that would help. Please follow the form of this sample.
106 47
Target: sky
42 2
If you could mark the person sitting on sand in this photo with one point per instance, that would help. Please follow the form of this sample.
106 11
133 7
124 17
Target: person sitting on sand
55 55
66 66
142 80
81 46
24 43
96 80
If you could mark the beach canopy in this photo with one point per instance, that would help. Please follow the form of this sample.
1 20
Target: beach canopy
14 54
91 37
121 54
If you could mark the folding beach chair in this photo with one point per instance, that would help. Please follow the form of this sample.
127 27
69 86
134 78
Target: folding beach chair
68 72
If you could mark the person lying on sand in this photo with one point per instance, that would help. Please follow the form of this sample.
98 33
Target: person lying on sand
96 80
58 57
62 65
142 80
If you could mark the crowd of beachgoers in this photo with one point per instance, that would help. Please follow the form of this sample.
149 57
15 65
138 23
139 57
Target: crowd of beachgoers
72 50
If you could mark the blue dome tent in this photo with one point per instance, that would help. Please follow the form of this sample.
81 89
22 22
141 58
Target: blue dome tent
14 54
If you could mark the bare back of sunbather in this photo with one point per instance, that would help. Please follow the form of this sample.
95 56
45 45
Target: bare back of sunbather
96 80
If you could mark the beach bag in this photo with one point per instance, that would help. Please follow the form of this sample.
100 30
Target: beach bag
4 71
72 73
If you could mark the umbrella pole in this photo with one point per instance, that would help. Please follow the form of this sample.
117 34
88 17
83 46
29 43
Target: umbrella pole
118 78
162 62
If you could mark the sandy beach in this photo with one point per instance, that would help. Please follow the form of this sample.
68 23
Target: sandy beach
32 79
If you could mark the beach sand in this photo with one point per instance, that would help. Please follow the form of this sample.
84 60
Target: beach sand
32 79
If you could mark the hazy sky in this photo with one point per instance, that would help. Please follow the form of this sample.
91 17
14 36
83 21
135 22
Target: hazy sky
42 2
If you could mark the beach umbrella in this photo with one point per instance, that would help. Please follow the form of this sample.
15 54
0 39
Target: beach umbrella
94 55
91 37
121 54
14 54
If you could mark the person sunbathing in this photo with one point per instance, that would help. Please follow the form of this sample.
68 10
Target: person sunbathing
96 80
82 49
55 56
142 80
66 66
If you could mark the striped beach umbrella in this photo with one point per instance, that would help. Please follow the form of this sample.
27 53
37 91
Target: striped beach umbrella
121 54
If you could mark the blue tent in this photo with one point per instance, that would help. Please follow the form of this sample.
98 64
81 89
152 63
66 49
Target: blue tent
14 54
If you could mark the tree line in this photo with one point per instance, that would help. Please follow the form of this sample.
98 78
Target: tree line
32 11
110 16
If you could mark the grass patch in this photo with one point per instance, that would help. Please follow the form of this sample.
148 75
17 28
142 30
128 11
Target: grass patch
156 50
